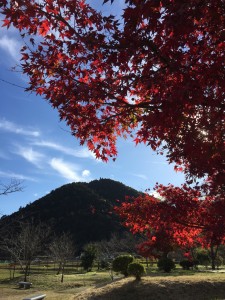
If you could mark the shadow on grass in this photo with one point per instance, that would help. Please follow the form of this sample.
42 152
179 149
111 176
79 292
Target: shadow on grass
173 273
11 281
160 290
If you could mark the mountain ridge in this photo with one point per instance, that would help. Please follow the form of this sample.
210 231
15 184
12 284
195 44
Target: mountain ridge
84 210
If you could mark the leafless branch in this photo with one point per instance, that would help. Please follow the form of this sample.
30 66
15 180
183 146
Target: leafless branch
13 186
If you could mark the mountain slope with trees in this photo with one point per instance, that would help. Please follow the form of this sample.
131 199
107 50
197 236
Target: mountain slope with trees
85 210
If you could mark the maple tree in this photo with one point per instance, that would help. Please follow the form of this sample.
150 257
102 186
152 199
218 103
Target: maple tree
156 73
183 216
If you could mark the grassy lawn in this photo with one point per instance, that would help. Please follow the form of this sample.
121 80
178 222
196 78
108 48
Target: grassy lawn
45 280
177 285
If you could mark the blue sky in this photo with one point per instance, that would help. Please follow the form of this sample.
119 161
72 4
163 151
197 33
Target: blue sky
38 149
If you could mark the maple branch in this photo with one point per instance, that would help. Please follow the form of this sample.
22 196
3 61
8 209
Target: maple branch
191 225
156 51
105 121
63 20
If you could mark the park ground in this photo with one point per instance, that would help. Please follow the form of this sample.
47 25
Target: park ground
178 285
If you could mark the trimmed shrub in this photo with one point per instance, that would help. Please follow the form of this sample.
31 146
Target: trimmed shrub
88 257
186 264
166 264
136 269
219 261
203 257
120 264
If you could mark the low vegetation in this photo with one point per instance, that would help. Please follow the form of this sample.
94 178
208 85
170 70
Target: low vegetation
98 284
120 264
136 269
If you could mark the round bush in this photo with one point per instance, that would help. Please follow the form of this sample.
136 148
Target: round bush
203 257
120 264
166 264
219 261
186 264
137 270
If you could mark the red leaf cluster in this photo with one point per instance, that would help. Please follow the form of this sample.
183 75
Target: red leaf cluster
156 74
183 216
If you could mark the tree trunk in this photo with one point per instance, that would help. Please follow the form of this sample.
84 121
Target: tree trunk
62 277
10 273
98 265
147 262
26 272
213 254
111 273
14 270
213 264
59 269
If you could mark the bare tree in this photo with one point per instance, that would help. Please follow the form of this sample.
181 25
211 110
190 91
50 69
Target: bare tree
62 249
127 243
13 186
25 243
108 250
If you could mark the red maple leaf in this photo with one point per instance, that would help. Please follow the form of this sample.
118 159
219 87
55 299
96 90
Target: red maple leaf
44 28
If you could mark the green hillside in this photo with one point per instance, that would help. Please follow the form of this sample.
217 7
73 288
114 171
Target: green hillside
85 210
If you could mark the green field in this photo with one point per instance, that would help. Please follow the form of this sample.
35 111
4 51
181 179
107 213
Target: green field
202 284
45 280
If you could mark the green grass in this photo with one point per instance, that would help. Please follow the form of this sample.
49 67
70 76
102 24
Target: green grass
45 280
76 282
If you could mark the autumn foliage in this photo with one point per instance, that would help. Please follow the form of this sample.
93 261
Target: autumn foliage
155 73
180 216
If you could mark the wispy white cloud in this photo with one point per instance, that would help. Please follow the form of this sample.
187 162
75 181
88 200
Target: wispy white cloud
142 176
67 170
14 128
10 46
30 155
82 153
16 176
86 173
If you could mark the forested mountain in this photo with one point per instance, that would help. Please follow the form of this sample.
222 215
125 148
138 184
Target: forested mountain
85 210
